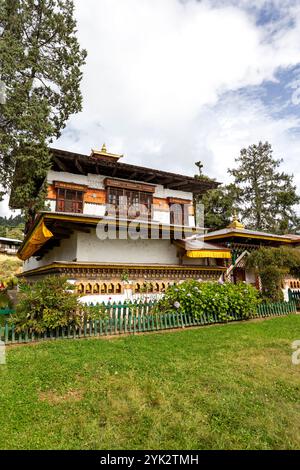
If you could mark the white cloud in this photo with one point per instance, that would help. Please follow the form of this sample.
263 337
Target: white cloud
156 74
239 121
160 79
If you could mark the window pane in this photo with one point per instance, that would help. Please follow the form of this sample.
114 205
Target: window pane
69 200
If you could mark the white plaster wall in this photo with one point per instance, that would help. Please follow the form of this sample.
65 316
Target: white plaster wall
90 180
67 251
52 204
191 221
91 249
161 216
94 209
194 261
162 192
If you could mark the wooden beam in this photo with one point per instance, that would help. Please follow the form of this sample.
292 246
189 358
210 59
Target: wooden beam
150 178
167 181
60 164
177 184
60 236
78 166
77 227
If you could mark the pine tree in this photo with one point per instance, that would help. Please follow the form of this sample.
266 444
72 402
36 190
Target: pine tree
40 65
267 196
219 205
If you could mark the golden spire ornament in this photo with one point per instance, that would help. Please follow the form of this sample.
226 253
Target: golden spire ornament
236 224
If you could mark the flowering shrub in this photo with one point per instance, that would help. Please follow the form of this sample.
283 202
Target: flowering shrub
199 298
48 303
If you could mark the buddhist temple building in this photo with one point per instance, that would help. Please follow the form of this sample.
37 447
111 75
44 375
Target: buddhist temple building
110 225
106 221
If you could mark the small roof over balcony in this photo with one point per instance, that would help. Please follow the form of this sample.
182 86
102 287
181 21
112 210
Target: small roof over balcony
196 247
237 233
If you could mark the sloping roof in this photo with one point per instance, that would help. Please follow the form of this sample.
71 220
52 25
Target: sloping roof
245 233
83 164
77 163
293 236
10 240
198 243
196 247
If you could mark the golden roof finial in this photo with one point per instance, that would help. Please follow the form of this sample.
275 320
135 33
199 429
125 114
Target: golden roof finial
235 222
104 154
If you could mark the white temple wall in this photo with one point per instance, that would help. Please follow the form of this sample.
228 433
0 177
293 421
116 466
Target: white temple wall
67 251
91 249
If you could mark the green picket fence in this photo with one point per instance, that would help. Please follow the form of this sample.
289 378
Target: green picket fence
294 296
124 308
126 320
279 308
110 308
6 311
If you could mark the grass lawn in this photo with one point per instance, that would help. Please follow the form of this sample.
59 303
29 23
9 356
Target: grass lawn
221 387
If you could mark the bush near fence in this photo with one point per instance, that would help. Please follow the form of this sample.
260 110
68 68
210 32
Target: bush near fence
210 298
136 318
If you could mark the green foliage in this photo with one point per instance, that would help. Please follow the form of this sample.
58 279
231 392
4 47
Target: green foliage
9 266
47 304
125 276
272 265
12 221
225 387
40 67
12 232
210 298
267 196
94 312
9 282
218 206
12 227
5 300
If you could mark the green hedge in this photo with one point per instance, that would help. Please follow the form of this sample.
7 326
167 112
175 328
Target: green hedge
212 299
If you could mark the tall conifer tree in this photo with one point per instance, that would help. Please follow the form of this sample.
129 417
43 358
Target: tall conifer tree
267 195
40 66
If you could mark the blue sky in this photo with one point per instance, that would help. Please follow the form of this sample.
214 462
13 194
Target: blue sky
170 82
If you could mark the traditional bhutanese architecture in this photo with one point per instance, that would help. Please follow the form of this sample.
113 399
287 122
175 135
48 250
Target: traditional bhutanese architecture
9 246
241 241
108 222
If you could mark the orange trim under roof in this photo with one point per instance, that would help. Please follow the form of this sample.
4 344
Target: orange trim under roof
222 254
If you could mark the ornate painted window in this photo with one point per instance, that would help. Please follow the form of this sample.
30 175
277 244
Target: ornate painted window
130 203
69 200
